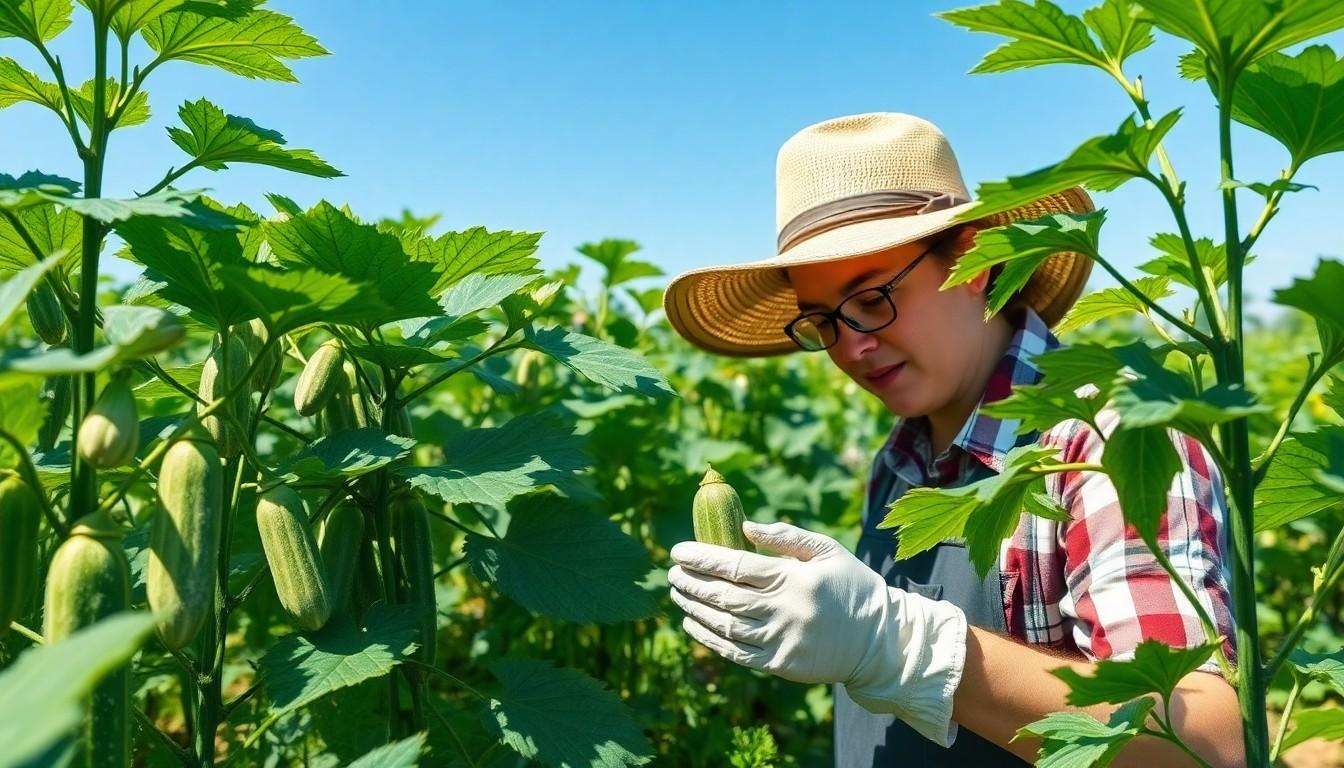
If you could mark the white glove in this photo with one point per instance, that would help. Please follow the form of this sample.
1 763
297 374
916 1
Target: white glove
824 617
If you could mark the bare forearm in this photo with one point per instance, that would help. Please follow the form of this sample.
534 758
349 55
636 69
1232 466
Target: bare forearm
1007 685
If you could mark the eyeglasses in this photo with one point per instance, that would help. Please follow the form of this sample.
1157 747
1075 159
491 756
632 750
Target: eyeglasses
866 311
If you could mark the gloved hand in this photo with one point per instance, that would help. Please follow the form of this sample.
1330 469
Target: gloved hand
819 615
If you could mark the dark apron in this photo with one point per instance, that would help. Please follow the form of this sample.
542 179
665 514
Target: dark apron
866 740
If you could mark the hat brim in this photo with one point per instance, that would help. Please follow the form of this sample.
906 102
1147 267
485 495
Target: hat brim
740 310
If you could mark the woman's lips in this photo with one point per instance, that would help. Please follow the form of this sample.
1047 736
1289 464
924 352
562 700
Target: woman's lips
884 376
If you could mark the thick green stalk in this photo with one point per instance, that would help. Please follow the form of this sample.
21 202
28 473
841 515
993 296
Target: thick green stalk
1236 444
84 493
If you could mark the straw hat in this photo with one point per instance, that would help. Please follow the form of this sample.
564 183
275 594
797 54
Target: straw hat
847 187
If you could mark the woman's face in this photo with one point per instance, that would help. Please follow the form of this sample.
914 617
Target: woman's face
938 337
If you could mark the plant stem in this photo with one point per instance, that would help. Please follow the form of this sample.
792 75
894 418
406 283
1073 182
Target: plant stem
496 348
1185 328
1314 374
1283 719
26 632
184 756
435 671
1236 443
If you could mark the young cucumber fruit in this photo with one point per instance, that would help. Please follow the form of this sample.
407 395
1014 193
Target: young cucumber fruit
718 515
184 541
291 553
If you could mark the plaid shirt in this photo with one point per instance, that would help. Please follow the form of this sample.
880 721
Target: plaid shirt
1088 585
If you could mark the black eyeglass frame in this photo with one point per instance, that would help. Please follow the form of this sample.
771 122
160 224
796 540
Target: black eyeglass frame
831 317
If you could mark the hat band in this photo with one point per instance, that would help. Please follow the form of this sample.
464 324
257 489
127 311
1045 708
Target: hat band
890 203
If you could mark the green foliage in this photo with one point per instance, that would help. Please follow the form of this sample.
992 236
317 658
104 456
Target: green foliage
561 717
41 693
564 562
1076 740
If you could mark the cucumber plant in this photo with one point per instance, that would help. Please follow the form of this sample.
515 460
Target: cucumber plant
175 445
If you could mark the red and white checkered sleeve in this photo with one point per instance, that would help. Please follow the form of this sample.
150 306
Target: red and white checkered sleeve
1117 594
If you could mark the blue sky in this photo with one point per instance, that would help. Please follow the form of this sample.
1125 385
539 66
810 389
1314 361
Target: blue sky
660 122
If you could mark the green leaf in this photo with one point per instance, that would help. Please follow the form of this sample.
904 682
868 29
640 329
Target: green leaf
185 207
1298 100
562 717
18 84
633 270
1236 34
251 45
293 298
36 21
14 291
136 112
492 465
1110 302
1022 246
1155 668
1325 667
478 291
1102 163
398 754
1320 723
22 412
609 253
1174 263
133 15
1158 396
155 389
1289 490
330 240
1334 396
34 188
1328 441
50 362
983 512
458 254
1038 408
613 367
214 139
1318 296
1141 462
192 265
42 693
141 331
1266 190
1041 34
397 356
302 668
1119 25
1076 740
53 230
563 562
349 453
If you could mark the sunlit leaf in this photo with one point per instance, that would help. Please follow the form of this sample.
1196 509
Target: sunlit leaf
215 139
1110 302
252 46
1320 723
1077 740
614 367
1155 668
1102 163
34 20
1021 247
1040 34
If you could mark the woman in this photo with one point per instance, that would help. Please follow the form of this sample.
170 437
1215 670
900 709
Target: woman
931 663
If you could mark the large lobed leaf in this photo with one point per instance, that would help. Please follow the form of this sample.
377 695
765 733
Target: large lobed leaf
564 562
1155 668
1101 163
601 362
562 717
1299 100
251 45
983 513
493 465
1235 33
328 239
1021 247
1110 302
215 139
34 20
1289 490
349 453
301 668
1077 740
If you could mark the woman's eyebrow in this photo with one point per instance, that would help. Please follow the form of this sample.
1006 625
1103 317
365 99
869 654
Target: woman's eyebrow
847 288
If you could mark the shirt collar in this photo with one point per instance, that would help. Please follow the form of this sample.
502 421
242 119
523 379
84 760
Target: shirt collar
982 438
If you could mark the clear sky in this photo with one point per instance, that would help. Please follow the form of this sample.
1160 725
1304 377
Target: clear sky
660 121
